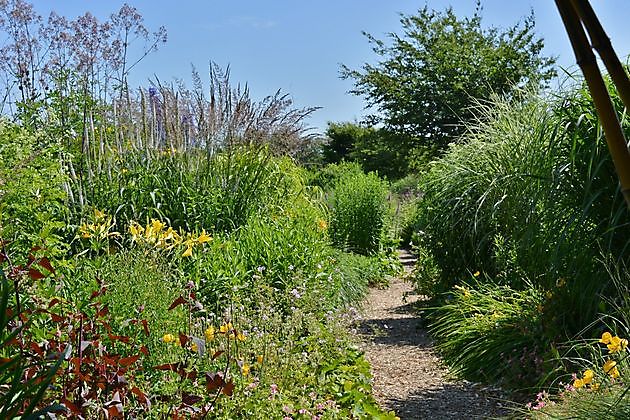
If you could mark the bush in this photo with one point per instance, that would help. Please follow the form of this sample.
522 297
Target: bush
358 213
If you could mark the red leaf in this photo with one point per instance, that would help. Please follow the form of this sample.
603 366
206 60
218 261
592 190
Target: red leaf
122 338
35 275
214 380
168 366
190 399
126 361
98 293
35 347
56 318
217 354
53 302
74 409
103 311
141 396
183 339
228 389
145 325
179 301
144 350
45 263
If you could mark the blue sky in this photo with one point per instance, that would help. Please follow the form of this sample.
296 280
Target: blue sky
297 46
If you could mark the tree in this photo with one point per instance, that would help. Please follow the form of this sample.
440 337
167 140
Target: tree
428 78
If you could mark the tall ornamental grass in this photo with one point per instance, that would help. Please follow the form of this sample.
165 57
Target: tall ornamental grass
532 194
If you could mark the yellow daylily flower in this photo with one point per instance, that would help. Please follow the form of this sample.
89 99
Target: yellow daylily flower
606 337
168 338
617 344
204 237
588 376
578 383
209 333
610 367
188 252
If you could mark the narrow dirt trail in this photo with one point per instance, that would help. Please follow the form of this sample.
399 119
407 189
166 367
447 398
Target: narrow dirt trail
408 376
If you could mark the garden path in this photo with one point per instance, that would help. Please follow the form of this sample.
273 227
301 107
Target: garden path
408 376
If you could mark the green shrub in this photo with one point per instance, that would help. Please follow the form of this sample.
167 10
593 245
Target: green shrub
358 213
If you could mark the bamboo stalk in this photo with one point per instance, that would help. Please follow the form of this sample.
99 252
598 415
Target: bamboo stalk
601 43
585 58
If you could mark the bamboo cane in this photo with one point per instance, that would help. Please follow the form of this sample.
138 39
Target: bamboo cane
585 58
601 43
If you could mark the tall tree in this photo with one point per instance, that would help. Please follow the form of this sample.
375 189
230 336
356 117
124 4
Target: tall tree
427 78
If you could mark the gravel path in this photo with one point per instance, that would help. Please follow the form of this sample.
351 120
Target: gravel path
408 376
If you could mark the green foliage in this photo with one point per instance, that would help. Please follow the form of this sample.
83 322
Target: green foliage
532 189
191 190
376 149
427 78
358 213
32 197
493 334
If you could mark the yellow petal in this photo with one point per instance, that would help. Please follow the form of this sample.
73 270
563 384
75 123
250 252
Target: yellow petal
606 337
188 252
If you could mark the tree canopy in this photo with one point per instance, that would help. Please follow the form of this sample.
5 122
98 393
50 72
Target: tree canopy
428 77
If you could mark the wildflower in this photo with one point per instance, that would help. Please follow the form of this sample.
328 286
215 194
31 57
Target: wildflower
606 337
226 327
168 338
188 252
204 237
99 214
578 383
295 293
194 347
588 376
617 344
245 369
594 386
610 367
209 333
476 274
240 337
259 359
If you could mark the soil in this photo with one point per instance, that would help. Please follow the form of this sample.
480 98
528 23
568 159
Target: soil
408 376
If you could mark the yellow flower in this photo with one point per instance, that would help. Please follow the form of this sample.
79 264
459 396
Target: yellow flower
616 344
99 214
245 369
606 337
225 327
588 376
204 237
610 367
240 337
209 333
156 225
194 347
188 252
594 386
477 274
168 338
259 359
321 224
578 383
